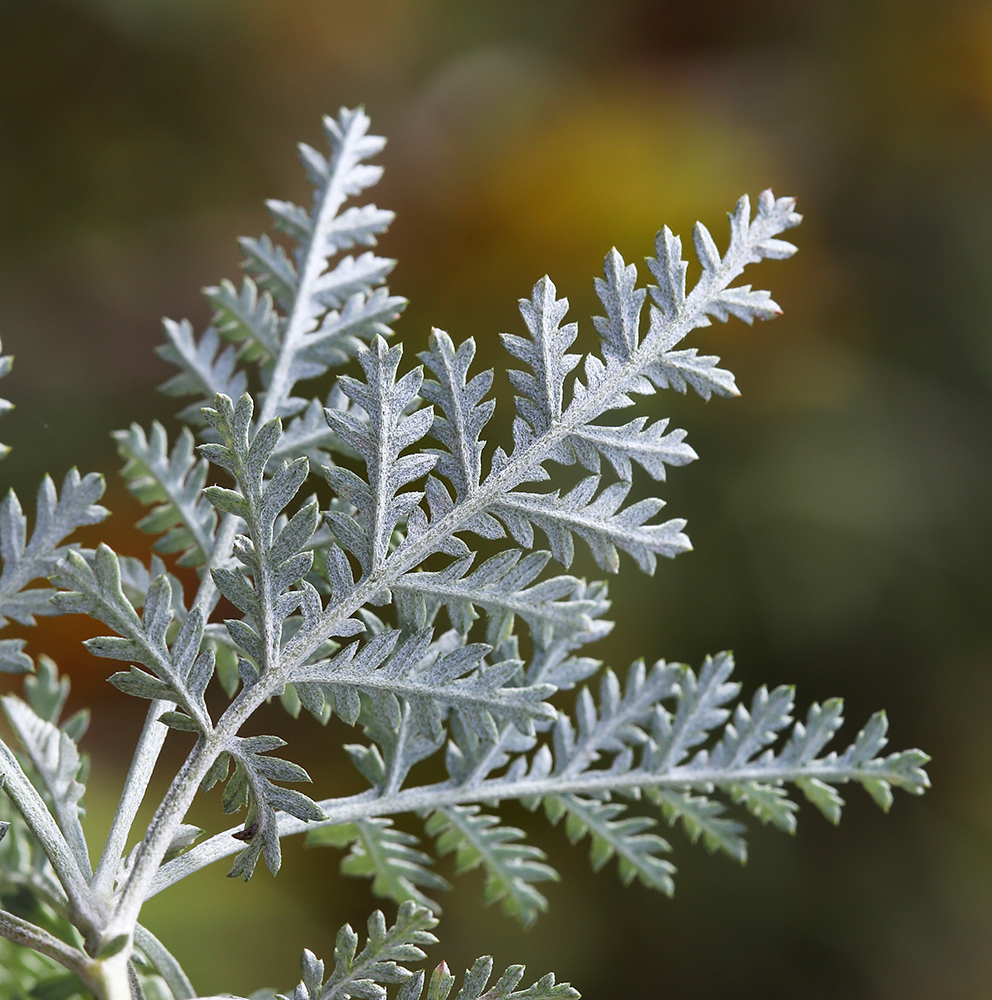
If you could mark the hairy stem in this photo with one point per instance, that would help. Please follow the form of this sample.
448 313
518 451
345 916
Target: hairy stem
24 933
135 785
165 963
281 384
167 819
85 907
111 978
174 806
370 804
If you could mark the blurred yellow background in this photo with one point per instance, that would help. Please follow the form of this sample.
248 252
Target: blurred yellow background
840 511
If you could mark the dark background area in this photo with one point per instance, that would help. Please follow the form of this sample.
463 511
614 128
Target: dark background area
840 511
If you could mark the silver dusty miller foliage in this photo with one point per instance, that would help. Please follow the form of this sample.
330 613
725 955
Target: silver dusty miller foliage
377 610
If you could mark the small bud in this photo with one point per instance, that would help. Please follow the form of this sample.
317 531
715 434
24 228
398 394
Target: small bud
441 982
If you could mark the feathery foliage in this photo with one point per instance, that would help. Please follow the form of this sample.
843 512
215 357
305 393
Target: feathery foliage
386 855
28 560
384 960
375 607
174 481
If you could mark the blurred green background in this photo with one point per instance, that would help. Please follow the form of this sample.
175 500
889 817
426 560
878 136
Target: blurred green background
840 512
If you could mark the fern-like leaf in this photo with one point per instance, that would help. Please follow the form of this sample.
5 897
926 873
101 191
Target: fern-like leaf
501 587
383 961
272 268
390 857
26 560
428 678
511 867
179 672
252 784
330 312
380 441
463 411
702 817
669 737
56 759
246 318
207 368
276 558
626 838
173 481
475 985
654 448
597 520
539 405
618 722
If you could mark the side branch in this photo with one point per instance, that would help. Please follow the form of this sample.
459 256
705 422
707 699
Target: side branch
24 933
135 786
42 824
367 805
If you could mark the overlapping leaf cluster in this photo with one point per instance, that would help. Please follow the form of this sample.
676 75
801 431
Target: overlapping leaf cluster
677 740
441 667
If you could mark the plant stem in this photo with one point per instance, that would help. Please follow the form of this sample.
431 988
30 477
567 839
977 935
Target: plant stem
369 804
165 963
83 905
22 932
173 808
165 822
314 262
135 785
110 977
